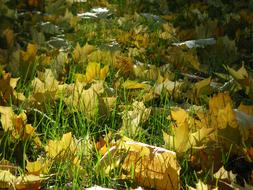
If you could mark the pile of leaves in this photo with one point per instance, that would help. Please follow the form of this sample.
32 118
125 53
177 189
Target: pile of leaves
121 94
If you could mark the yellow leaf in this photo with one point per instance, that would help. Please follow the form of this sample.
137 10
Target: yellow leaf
59 148
130 84
181 59
103 72
242 79
29 182
191 59
99 56
240 74
44 87
6 179
37 167
7 118
187 133
63 149
246 109
81 53
101 146
180 140
85 101
150 166
180 115
170 87
7 85
202 186
94 72
106 105
141 40
30 52
16 125
222 112
133 118
201 86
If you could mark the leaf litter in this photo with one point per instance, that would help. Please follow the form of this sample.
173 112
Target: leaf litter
111 67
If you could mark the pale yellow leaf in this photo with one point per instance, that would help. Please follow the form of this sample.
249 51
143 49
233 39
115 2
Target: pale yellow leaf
134 117
240 74
7 118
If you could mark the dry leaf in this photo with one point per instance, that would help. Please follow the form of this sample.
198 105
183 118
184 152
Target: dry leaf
200 88
81 53
8 180
94 72
40 166
202 186
222 112
7 90
85 101
248 109
133 118
180 140
129 84
30 52
150 166
9 35
187 133
123 64
45 87
7 118
243 80
64 149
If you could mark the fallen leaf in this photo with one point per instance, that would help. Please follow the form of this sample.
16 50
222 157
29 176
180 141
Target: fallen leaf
149 166
180 139
248 109
9 36
123 64
129 84
202 186
7 118
93 72
40 166
200 88
8 180
65 148
30 52
86 101
7 90
222 112
44 87
81 53
133 118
